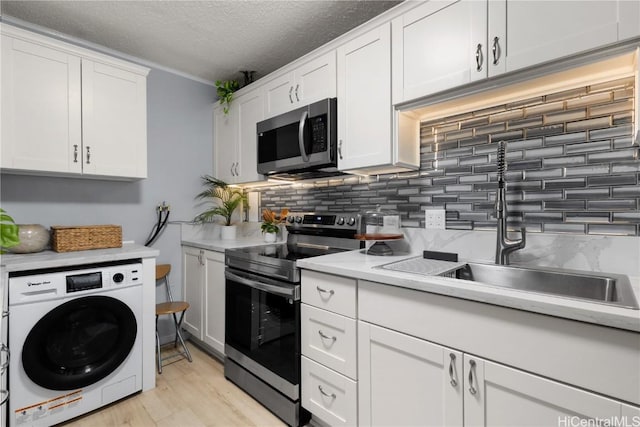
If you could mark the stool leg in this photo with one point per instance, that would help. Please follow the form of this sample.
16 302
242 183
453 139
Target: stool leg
178 326
158 348
175 322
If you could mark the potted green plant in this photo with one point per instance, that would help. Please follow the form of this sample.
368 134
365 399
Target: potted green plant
226 200
271 224
225 90
8 232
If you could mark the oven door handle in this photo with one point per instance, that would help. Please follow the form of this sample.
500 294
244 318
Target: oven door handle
272 289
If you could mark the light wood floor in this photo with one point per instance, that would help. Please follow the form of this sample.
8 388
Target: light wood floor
186 395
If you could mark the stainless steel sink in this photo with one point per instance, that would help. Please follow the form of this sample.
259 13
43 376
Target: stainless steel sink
602 288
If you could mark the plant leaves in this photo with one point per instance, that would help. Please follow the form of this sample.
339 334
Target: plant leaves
9 236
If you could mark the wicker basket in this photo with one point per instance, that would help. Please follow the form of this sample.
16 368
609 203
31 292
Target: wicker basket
80 238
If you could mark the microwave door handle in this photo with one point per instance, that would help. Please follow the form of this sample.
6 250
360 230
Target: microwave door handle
303 120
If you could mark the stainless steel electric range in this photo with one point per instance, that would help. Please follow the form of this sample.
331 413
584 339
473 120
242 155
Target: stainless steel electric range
262 332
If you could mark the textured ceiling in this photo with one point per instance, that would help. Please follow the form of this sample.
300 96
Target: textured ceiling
208 39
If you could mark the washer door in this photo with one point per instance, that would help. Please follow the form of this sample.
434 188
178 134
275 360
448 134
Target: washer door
79 343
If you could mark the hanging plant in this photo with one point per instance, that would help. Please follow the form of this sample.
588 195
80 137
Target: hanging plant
225 91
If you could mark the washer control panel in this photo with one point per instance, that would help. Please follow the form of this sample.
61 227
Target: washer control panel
47 284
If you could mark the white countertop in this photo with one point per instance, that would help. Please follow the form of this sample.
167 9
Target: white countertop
51 259
219 245
357 265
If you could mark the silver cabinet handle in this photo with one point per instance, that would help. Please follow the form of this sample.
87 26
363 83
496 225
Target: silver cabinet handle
303 121
75 153
5 365
479 57
231 169
324 291
324 393
88 155
297 87
326 337
496 50
472 369
5 313
5 396
236 168
452 370
200 257
340 149
290 92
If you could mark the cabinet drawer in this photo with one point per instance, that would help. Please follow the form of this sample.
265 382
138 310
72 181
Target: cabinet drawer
333 293
330 339
329 396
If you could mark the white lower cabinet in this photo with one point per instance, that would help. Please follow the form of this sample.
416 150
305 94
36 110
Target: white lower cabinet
329 396
329 354
416 364
497 395
203 288
406 381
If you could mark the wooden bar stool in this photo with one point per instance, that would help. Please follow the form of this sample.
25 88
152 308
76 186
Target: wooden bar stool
173 308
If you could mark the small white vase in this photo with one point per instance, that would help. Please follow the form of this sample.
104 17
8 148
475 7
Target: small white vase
228 232
270 237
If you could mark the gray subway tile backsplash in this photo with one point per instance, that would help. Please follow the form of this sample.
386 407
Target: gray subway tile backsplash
572 167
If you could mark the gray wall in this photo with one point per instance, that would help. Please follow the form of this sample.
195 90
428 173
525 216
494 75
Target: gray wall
180 150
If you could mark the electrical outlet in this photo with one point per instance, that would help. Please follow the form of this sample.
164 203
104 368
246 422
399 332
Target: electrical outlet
435 219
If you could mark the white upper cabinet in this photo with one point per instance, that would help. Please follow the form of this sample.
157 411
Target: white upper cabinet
225 144
525 33
41 115
69 111
114 121
312 81
365 139
438 45
443 44
235 139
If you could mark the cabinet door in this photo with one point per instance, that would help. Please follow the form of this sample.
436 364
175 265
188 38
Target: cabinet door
533 32
193 284
498 395
403 380
114 121
250 111
214 300
310 82
315 80
278 95
41 117
225 143
437 46
364 101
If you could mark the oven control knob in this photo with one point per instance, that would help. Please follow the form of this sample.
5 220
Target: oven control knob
290 219
351 221
118 277
298 219
340 221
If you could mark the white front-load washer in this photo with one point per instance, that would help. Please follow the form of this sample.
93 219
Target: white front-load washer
75 340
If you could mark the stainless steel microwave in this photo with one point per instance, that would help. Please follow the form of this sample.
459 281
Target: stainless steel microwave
300 141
